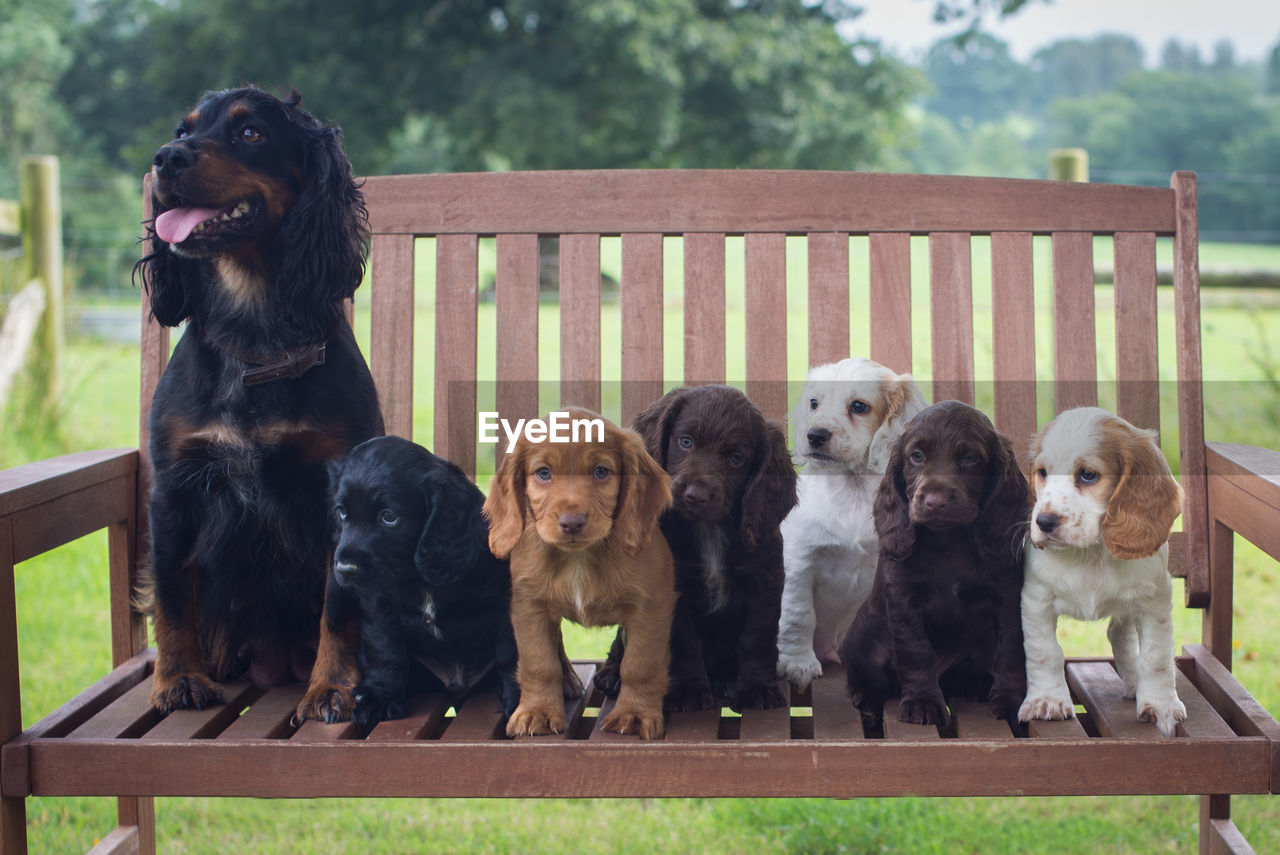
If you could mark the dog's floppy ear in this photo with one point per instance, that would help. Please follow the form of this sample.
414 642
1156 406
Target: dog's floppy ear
655 423
505 506
904 400
171 282
454 531
324 239
891 509
770 493
1005 508
644 494
1145 502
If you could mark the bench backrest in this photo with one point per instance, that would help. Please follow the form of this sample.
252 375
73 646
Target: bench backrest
698 239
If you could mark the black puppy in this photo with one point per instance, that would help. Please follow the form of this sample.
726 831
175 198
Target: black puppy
414 548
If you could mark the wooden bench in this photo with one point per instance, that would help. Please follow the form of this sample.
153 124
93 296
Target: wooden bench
108 741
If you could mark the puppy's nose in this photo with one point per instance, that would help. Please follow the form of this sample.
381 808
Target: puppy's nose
573 524
696 495
344 572
935 501
172 159
1047 522
818 437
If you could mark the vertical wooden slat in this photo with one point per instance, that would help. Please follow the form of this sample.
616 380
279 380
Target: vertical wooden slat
455 382
1186 296
1075 355
13 811
828 297
1137 377
154 347
1013 338
641 307
128 626
951 308
703 309
890 300
391 330
580 321
766 333
516 306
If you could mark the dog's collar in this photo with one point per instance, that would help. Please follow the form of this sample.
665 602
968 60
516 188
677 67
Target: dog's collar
291 364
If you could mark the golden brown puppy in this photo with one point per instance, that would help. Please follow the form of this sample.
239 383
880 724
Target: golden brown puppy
579 522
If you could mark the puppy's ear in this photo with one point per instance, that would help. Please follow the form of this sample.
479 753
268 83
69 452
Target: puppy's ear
454 531
1005 508
505 506
323 241
654 424
890 510
644 494
171 282
771 491
904 400
1145 502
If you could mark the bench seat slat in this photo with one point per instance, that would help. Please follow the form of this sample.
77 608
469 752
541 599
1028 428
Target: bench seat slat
131 713
208 722
424 715
268 717
1098 687
834 715
766 725
973 722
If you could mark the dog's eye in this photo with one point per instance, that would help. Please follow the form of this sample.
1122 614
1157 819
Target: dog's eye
685 442
251 135
1042 473
341 512
737 458
859 408
389 518
180 133
917 456
813 403
543 474
1086 476
970 458
600 473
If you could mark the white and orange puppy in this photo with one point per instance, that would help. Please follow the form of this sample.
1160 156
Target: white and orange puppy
1104 503
845 422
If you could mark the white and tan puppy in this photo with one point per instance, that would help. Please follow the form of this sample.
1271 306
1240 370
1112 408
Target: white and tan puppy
1104 503
845 422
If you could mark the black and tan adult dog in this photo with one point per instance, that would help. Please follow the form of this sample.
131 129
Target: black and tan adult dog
435 605
260 234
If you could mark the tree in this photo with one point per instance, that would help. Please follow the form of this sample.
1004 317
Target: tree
975 79
1073 68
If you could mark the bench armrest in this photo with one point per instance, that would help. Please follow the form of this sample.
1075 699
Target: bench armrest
1244 492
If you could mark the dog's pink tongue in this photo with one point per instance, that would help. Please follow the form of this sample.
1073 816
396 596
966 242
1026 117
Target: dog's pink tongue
176 225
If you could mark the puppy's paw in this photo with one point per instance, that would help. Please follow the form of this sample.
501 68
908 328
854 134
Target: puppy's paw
1002 704
647 724
800 671
189 691
922 711
1166 714
327 703
608 679
1046 708
764 696
533 721
687 697
372 707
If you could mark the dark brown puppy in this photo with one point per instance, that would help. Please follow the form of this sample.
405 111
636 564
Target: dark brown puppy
260 235
943 615
733 483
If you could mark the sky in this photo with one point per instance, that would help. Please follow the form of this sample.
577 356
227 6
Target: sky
907 27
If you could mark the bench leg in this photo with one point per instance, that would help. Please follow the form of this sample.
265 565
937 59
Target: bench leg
136 833
13 826
1218 834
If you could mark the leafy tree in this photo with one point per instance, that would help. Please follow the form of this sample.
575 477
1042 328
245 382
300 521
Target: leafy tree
975 78
1073 68
33 57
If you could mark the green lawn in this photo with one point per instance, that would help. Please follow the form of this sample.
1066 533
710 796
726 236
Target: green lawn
64 632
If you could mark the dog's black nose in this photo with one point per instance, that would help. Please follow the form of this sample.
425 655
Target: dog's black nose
1047 522
818 437
344 572
573 524
696 495
172 159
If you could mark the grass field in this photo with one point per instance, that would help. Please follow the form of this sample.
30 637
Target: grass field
63 626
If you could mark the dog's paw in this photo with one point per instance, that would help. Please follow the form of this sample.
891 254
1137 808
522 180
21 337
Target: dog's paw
647 724
372 707
1002 704
922 711
608 679
1166 714
687 697
326 703
572 684
764 696
531 721
1046 708
800 671
189 691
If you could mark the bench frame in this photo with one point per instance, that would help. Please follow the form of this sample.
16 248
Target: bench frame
107 740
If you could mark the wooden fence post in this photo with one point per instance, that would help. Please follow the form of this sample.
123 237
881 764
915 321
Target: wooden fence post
1069 164
42 250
